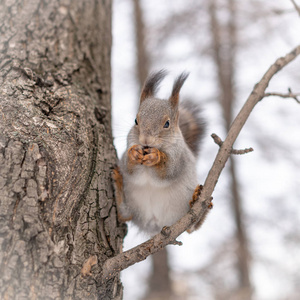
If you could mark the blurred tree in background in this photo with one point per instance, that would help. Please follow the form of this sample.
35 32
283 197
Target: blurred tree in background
227 45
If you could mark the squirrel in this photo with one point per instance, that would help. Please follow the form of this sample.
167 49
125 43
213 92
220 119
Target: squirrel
156 182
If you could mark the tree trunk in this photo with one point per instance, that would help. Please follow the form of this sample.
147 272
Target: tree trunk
224 50
143 58
159 281
58 220
160 287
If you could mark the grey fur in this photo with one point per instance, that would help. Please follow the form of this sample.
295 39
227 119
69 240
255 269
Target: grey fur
178 83
153 200
191 124
152 84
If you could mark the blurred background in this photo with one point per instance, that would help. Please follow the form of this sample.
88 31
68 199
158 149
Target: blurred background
249 246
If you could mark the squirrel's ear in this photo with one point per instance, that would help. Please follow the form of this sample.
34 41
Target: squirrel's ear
151 84
178 83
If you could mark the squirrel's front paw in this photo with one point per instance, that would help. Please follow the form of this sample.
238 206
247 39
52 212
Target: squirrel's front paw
136 154
152 157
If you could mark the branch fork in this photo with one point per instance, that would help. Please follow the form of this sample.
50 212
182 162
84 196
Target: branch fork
290 94
219 142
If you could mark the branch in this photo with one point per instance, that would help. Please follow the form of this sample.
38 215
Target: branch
296 6
201 207
290 94
219 142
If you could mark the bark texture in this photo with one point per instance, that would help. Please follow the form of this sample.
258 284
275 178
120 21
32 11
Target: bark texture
57 215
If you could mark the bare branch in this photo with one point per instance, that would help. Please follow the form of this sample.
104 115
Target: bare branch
290 94
296 6
241 151
219 142
203 204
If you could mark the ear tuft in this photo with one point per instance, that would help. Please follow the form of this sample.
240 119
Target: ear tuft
151 84
178 83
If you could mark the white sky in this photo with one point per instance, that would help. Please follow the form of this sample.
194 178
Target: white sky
269 176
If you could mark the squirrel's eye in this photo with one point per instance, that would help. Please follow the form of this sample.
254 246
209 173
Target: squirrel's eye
136 122
167 124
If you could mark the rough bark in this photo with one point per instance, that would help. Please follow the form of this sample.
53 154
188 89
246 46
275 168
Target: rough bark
57 216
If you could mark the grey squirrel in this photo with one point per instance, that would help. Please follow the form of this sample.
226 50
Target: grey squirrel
156 183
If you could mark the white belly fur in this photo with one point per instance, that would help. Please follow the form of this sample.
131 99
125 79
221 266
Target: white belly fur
157 202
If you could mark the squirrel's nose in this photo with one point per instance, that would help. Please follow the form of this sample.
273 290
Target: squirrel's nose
146 140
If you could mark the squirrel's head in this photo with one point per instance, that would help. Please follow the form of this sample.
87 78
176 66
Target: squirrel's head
157 120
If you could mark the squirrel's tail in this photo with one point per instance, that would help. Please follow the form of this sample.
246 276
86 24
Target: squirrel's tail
191 125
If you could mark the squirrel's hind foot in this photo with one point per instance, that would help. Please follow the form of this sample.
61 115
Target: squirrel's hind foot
196 194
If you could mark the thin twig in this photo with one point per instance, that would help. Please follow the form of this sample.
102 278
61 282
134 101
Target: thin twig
219 142
288 95
200 208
